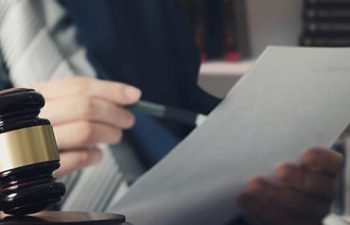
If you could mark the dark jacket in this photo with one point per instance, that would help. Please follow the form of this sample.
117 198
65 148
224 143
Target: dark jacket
144 43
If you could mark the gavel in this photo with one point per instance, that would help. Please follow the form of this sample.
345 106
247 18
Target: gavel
28 157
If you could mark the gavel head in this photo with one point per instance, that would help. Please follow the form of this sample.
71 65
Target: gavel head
28 154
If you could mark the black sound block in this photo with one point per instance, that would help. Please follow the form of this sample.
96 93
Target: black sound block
63 218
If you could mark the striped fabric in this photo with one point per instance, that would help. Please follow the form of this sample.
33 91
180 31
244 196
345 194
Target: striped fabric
37 47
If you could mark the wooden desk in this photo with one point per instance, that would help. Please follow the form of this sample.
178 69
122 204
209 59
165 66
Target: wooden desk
64 218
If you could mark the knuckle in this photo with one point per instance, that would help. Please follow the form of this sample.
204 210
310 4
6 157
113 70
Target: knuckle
313 155
86 133
285 172
306 181
257 185
87 158
84 85
87 107
118 136
83 159
113 136
129 119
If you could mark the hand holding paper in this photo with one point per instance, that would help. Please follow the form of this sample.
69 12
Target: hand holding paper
291 100
303 195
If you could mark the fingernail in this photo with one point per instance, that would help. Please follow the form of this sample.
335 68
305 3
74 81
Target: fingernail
132 93
130 120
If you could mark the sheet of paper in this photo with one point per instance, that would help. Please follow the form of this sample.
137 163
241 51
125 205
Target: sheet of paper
293 98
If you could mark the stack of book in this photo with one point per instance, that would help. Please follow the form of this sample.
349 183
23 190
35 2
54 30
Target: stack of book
326 23
218 27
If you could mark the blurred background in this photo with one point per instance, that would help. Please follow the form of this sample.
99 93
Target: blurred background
230 34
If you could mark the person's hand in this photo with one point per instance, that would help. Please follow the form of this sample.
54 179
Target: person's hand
85 112
302 195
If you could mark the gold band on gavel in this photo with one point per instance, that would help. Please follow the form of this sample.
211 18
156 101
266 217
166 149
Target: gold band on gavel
27 146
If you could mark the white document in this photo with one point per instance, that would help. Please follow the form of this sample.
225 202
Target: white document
293 98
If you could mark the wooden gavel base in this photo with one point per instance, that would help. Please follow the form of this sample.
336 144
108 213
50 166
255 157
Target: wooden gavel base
64 218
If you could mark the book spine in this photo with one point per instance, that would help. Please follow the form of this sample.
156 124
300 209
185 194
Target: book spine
230 44
325 42
327 14
327 3
326 28
199 27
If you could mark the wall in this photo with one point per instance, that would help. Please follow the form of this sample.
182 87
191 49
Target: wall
276 22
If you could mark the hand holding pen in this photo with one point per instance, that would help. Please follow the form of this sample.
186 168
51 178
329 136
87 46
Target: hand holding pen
169 113
85 112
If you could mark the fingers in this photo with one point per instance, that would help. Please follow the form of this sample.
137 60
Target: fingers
303 195
256 212
294 200
323 160
265 203
315 176
85 133
87 109
260 211
85 112
115 92
301 178
74 160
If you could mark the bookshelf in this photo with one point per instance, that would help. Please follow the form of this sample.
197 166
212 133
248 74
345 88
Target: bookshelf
269 22
273 22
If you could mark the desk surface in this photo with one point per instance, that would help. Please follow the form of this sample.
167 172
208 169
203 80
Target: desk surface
64 218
